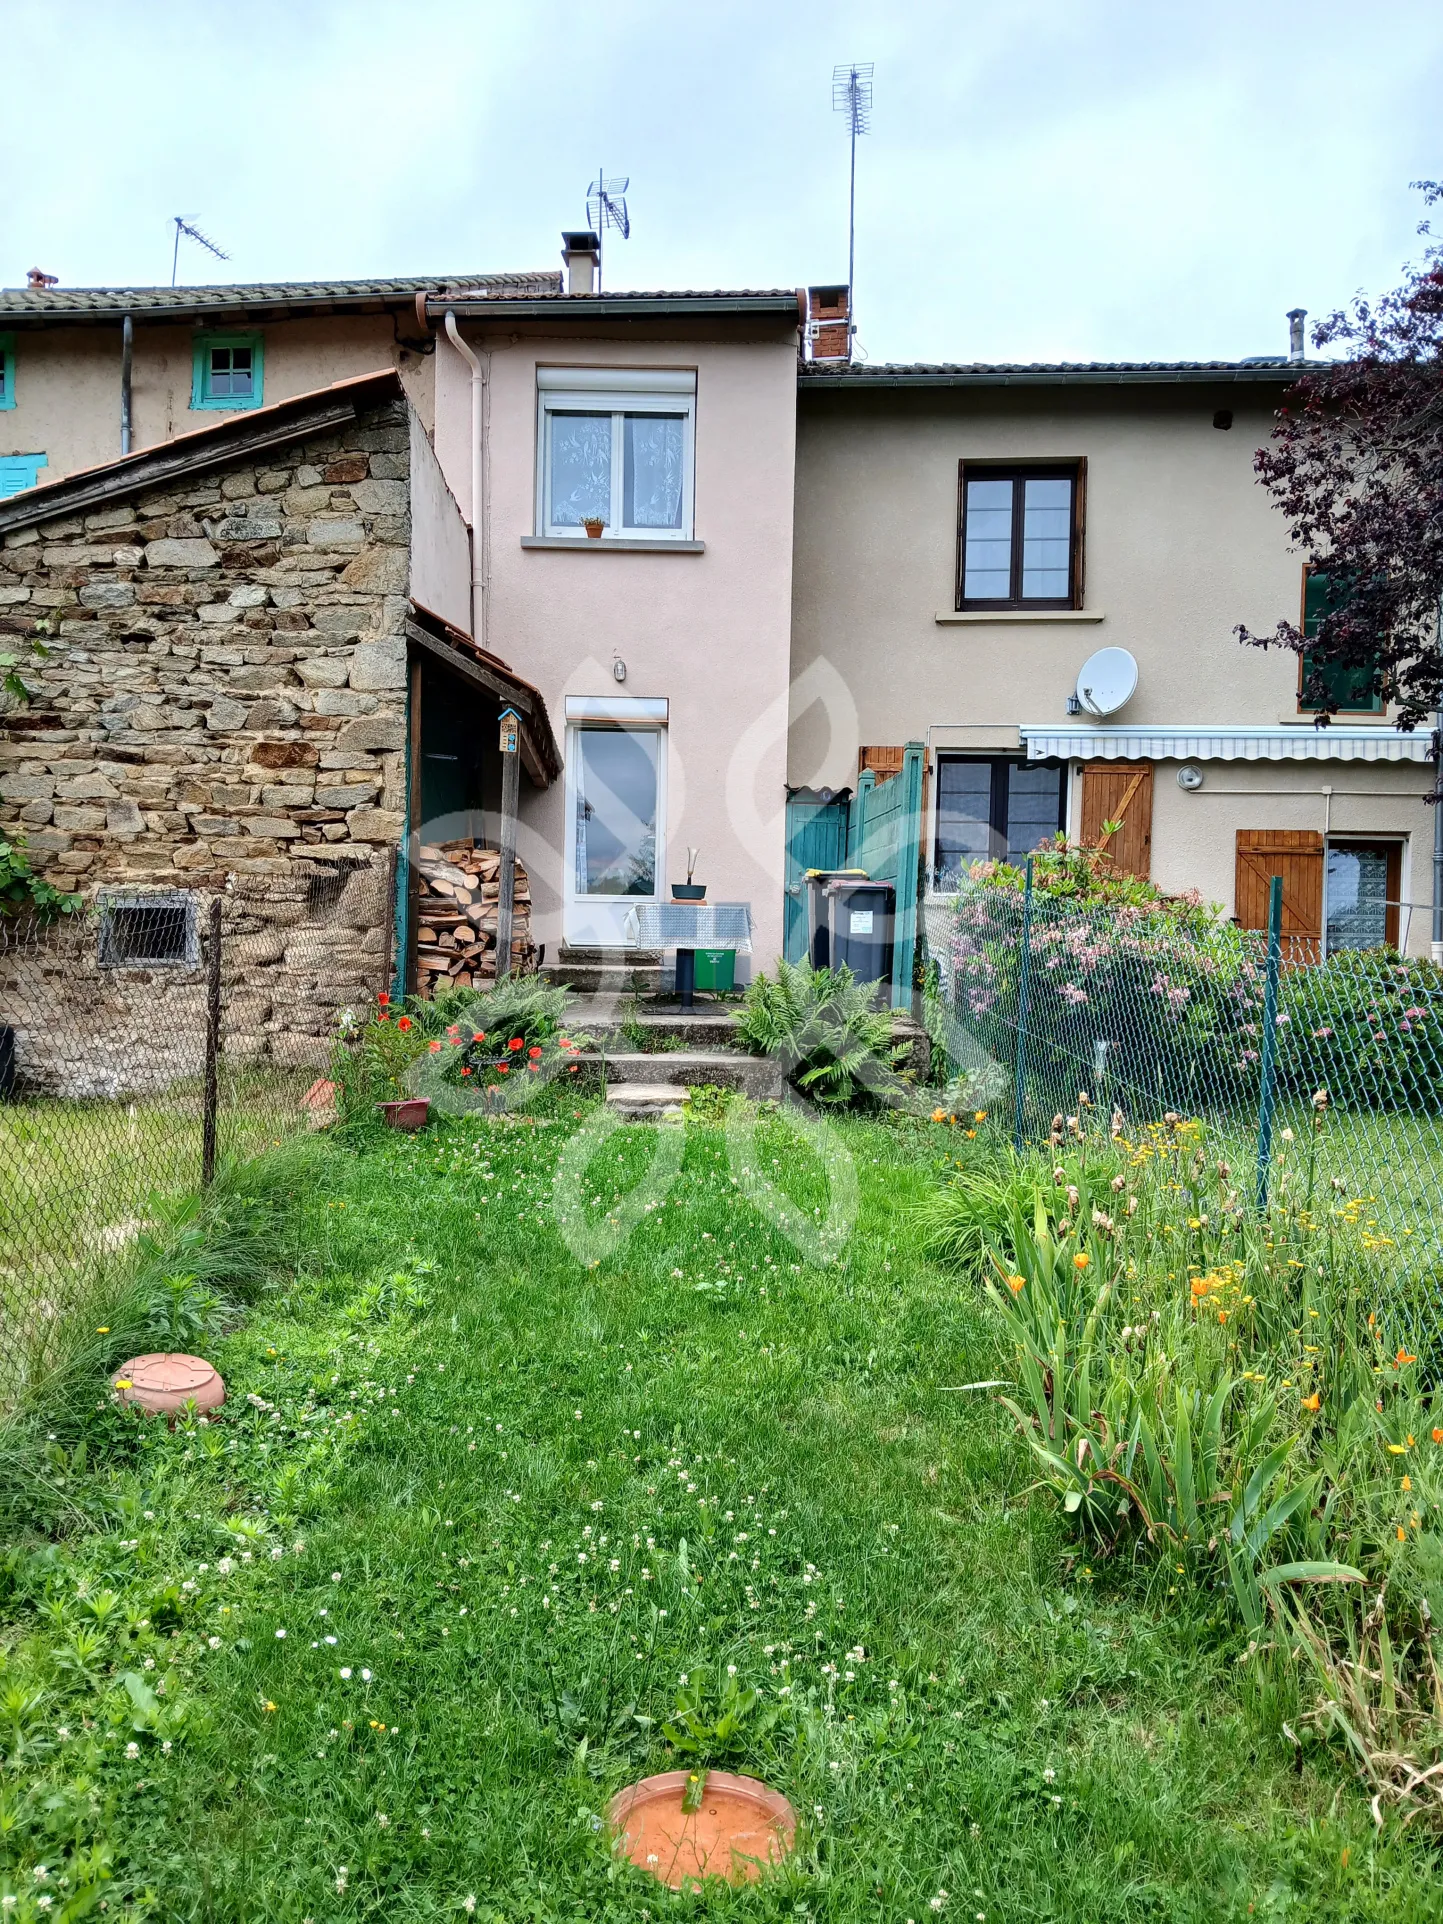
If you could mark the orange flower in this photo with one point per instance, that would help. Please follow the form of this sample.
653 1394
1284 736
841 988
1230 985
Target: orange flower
1015 1283
1313 1402
1407 1483
404 1023
533 1052
434 1047
939 1115
478 1035
1438 1436
465 1072
1404 1357
1081 1259
1402 1534
503 1068
1222 1316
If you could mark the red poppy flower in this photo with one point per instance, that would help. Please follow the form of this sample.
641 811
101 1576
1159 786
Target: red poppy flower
384 1016
434 1047
465 1072
534 1067
516 1042
384 1001
503 1068
404 1023
533 1052
574 1067
478 1035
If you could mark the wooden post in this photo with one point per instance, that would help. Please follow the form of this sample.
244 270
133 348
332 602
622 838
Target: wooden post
211 1110
510 791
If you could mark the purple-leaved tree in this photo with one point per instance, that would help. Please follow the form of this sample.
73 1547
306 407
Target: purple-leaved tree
1356 465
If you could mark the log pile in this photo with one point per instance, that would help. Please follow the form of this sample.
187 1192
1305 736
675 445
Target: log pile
457 893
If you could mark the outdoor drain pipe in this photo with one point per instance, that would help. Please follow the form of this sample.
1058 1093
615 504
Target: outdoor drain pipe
478 506
127 341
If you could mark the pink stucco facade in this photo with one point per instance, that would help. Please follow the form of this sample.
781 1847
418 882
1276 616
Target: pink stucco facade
708 631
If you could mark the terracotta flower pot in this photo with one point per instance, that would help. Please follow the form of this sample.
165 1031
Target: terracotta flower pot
593 528
409 1114
741 1829
163 1383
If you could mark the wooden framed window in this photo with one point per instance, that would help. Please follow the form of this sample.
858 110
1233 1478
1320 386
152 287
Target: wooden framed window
1352 691
1364 883
1296 854
1019 535
996 809
1119 792
228 371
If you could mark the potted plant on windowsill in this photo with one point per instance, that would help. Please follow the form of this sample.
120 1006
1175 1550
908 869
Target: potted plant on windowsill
689 891
594 526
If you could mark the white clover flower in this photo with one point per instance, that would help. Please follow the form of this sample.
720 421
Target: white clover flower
213 1643
365 1676
280 1633
132 1751
346 1672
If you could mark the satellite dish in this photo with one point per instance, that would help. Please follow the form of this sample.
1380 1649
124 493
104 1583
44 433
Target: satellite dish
1107 682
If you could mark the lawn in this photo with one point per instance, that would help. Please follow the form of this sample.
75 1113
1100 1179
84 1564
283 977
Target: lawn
480 1501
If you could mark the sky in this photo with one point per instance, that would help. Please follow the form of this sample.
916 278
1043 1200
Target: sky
1044 179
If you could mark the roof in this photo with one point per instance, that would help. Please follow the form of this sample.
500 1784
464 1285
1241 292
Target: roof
236 438
271 298
1257 370
443 641
624 304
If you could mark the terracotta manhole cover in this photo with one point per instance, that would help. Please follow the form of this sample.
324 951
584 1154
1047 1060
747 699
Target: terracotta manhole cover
165 1382
740 1830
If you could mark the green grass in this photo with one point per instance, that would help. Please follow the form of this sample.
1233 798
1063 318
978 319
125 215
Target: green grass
455 1427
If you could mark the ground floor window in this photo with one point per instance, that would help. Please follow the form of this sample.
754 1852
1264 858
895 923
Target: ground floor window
1001 808
1364 882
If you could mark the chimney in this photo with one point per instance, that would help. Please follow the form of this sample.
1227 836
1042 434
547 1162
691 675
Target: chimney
581 255
829 328
1296 317
37 277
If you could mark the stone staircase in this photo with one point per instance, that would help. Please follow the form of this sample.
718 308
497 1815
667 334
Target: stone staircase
650 1084
614 972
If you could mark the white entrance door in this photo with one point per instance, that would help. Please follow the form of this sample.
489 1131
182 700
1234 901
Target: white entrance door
615 828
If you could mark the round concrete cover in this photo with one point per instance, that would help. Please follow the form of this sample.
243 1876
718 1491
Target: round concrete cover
741 1829
166 1381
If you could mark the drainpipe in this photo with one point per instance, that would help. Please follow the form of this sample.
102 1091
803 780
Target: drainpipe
127 337
478 506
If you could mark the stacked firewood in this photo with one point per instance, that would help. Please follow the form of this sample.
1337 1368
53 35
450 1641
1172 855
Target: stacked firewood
458 889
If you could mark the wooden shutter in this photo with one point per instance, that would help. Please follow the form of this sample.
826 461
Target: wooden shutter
1119 792
1297 855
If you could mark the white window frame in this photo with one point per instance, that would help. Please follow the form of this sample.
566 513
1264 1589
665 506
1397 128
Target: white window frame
618 392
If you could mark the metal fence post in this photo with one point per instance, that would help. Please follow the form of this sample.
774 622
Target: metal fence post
1024 972
1267 1092
212 1048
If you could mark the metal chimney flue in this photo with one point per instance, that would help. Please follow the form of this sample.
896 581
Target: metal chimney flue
581 256
1296 317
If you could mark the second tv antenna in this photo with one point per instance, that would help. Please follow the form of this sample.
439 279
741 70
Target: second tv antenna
852 96
606 207
192 232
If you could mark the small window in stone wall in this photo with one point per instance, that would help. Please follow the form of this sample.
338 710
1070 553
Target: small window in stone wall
149 931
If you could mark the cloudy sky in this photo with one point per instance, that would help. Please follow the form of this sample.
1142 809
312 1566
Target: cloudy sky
1045 179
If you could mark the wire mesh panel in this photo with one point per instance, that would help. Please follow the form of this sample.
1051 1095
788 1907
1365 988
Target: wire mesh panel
144 1036
1318 1078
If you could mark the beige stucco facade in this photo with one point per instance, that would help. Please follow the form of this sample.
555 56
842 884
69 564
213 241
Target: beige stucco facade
1180 545
68 380
705 628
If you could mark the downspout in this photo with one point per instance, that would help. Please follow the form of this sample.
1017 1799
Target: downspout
478 505
127 339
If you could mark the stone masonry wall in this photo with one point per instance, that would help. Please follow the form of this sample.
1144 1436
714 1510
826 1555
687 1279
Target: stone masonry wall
223 709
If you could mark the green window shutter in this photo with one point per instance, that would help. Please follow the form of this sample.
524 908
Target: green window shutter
1349 689
18 472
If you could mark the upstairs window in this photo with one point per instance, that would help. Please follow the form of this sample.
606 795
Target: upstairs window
7 370
228 371
616 448
1350 690
1020 536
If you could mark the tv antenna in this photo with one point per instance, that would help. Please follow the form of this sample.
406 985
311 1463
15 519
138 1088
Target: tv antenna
606 207
852 96
192 232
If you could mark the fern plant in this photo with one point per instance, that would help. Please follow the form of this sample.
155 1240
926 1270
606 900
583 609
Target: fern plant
824 1028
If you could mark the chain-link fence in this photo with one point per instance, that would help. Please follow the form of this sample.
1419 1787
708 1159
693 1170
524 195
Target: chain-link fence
1319 1077
147 1036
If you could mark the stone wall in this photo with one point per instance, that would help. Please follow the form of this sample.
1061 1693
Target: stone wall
223 709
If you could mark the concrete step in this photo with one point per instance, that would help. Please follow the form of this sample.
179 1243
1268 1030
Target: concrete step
606 971
757 1076
646 1101
706 1028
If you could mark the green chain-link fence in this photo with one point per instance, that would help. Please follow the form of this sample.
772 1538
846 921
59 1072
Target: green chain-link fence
1319 1078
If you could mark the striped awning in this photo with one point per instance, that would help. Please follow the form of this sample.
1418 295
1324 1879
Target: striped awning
1342 742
